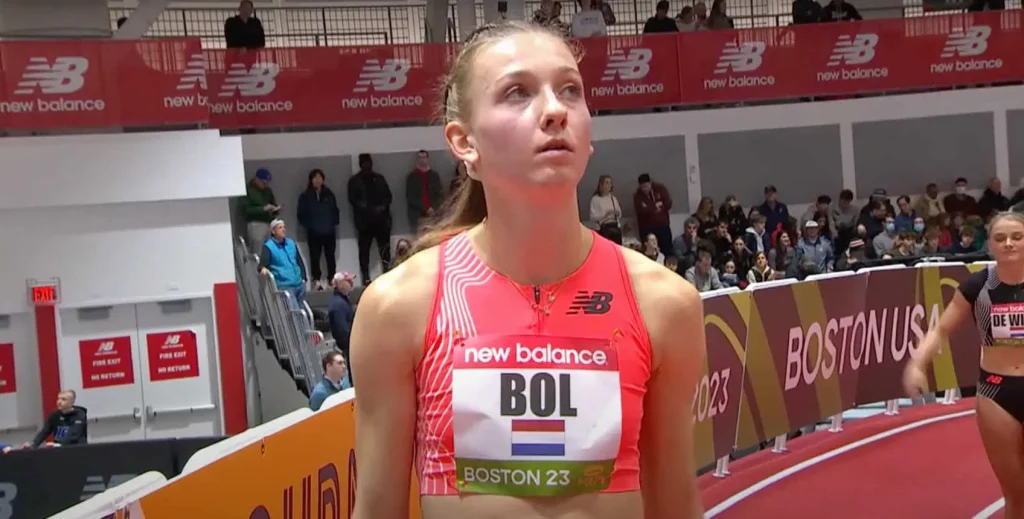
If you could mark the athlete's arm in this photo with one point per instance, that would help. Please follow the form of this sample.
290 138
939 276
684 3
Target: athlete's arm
956 312
387 338
674 315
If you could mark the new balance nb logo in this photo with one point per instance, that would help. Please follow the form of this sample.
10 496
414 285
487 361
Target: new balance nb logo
742 57
98 484
386 76
853 50
195 73
590 303
257 80
968 42
65 76
172 340
994 379
632 66
105 347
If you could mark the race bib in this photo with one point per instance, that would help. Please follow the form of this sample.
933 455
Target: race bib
1007 324
534 415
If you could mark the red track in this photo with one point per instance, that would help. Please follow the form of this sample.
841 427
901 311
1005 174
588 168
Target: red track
937 471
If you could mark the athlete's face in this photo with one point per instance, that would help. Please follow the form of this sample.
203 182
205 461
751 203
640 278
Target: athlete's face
529 125
1007 240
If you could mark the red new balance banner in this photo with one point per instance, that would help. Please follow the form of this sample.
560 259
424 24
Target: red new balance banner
67 84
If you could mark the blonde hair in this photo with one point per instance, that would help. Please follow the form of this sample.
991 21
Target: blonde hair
467 206
1006 215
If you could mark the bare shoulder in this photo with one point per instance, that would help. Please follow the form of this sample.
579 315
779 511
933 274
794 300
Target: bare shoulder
670 306
397 304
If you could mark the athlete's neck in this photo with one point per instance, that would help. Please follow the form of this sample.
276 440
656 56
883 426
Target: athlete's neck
533 247
1010 273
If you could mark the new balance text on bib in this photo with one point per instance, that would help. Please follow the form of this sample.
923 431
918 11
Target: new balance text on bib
1008 324
535 415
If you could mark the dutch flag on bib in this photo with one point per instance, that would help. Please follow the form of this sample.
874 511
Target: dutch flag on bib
538 437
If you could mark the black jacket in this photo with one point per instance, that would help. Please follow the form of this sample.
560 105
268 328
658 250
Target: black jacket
370 196
318 212
67 429
240 34
341 315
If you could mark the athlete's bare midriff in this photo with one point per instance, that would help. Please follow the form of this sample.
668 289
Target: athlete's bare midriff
1003 360
625 505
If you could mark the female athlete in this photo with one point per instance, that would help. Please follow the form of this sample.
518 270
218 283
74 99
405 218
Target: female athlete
994 297
524 366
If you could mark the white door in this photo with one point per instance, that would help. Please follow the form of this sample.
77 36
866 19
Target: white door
20 405
179 368
99 359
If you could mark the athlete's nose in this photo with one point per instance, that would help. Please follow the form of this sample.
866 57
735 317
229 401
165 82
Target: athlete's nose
555 114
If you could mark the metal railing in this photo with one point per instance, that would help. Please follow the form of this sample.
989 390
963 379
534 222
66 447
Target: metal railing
395 24
299 347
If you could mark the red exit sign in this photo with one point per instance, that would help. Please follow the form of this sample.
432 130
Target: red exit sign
44 292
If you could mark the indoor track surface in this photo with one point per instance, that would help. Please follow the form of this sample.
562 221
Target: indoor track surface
927 462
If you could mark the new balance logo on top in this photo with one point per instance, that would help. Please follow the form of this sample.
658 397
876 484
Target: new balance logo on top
743 57
98 484
590 303
972 41
388 76
195 73
632 66
257 80
853 50
65 76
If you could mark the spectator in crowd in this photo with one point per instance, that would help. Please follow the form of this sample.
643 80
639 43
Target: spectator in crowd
660 22
341 312
702 275
761 271
885 241
281 258
806 11
732 212
943 223
980 232
756 237
653 203
930 245
879 195
814 253
370 197
606 11
992 200
822 204
845 214
260 208
853 255
729 276
606 211
705 215
741 258
423 191
684 247
928 205
69 424
458 177
782 257
244 31
776 213
718 19
335 379
904 215
873 220
918 225
686 20
672 263
544 13
904 246
959 201
589 21
840 11
652 250
319 216
966 242
721 242
402 248
825 226
986 5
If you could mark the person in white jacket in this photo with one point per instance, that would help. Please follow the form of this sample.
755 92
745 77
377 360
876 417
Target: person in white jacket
605 210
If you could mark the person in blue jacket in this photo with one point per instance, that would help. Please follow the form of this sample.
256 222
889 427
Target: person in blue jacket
280 257
335 379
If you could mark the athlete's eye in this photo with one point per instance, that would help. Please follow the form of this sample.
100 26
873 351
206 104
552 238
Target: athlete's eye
572 90
516 93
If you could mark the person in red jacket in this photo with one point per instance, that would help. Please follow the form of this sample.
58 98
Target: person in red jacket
653 203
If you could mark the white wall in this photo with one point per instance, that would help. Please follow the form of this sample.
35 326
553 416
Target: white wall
687 123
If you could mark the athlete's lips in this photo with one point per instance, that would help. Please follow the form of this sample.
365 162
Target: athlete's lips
556 145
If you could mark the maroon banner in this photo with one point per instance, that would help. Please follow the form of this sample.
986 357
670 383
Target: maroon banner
716 401
630 71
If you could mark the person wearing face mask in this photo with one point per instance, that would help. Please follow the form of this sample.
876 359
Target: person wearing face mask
885 241
960 201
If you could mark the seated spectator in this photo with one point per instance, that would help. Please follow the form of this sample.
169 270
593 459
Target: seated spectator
776 213
825 227
729 276
672 263
873 218
757 240
281 258
853 255
822 205
721 241
742 259
702 275
992 200
930 243
814 253
885 241
782 257
904 215
69 424
341 312
928 205
651 249
840 11
732 213
980 233
966 243
660 22
760 272
960 201
904 246
943 222
335 379
705 216
685 245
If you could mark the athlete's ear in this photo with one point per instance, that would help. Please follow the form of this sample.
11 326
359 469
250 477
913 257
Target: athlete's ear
461 144
591 146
